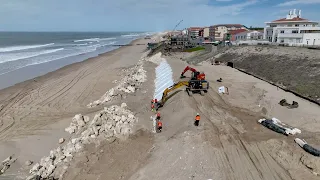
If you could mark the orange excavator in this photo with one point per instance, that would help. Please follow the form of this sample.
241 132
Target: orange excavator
195 75
196 84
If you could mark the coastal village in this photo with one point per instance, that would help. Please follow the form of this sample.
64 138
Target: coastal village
291 30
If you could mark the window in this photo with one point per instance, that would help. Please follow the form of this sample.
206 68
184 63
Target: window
295 31
282 31
296 25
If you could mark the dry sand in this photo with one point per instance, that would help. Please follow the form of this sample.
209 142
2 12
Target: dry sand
228 144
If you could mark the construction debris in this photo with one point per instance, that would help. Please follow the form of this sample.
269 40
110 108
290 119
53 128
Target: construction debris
277 126
223 90
284 102
307 148
269 124
5 165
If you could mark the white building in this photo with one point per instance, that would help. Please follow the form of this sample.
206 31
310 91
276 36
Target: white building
249 35
293 30
206 32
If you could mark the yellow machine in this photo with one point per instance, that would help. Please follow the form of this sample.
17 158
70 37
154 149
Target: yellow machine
190 88
171 88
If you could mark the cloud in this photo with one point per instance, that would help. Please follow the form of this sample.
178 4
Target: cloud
113 15
295 2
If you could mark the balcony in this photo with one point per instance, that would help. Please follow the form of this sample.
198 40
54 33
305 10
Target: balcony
290 35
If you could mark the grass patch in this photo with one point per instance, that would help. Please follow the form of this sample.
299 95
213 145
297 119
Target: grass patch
195 49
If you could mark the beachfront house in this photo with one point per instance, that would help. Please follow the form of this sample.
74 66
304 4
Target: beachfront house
249 35
293 30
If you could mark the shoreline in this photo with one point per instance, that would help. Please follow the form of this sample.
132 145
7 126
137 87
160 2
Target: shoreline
58 65
38 110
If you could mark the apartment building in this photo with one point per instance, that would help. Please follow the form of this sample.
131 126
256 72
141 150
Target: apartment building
219 31
206 32
293 30
195 32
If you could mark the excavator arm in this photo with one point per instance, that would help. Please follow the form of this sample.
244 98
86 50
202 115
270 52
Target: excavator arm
172 88
188 68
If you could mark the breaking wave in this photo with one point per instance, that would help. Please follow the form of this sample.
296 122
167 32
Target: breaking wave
19 48
23 55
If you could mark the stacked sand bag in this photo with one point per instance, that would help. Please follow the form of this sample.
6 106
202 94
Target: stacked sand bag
163 75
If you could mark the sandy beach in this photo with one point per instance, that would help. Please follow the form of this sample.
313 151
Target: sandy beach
35 113
113 138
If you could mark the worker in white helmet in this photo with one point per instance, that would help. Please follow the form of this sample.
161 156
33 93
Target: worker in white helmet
197 119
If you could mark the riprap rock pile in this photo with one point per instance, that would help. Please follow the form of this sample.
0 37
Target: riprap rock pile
128 84
112 122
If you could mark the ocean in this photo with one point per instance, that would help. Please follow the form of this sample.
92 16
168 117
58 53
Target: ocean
22 49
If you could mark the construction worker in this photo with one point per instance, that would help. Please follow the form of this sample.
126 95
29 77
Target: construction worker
159 125
152 108
156 103
158 115
197 119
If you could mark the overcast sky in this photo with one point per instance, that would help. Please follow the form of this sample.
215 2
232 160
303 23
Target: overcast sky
143 15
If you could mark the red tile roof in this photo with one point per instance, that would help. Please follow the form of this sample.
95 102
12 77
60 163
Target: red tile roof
233 32
293 19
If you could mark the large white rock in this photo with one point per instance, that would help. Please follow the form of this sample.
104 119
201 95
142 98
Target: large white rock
117 130
79 119
131 88
61 140
71 129
35 168
123 118
86 119
123 105
95 130
117 118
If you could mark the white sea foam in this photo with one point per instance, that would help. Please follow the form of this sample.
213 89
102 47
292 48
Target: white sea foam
88 40
18 48
23 55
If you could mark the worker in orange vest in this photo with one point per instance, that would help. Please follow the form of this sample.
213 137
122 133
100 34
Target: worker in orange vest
152 108
159 126
156 104
197 119
158 115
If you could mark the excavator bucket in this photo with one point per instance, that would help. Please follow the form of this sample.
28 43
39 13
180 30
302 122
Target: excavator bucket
182 76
